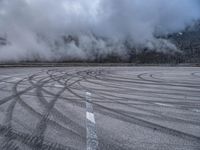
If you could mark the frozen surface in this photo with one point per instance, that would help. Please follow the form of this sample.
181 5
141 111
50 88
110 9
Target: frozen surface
147 108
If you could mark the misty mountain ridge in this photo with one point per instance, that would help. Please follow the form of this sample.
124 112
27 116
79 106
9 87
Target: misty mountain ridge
102 31
187 43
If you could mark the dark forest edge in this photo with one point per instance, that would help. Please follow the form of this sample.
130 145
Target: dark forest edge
90 64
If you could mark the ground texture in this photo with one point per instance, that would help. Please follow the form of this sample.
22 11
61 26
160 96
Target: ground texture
105 108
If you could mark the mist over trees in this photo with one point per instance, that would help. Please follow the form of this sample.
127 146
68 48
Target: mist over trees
187 43
137 31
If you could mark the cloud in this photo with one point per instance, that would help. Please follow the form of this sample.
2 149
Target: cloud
36 29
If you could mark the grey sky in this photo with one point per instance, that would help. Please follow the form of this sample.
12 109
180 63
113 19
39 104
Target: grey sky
33 26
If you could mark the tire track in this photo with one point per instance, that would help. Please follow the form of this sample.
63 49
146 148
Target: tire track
7 141
142 122
35 140
49 106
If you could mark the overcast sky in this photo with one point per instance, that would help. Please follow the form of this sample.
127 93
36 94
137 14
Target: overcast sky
33 26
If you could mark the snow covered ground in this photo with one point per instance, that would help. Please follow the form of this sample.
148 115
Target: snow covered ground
108 108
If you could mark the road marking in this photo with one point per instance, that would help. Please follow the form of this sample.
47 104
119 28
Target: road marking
11 76
58 86
196 110
90 117
92 141
10 79
162 104
5 76
13 79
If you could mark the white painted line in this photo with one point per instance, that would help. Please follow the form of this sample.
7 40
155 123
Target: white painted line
16 75
88 94
13 79
5 76
196 110
92 141
59 86
162 104
90 117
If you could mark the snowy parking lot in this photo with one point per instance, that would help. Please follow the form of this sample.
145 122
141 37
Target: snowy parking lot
105 108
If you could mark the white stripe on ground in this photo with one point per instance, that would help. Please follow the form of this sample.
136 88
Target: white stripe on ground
92 141
90 117
162 104
88 94
58 86
13 79
16 75
196 110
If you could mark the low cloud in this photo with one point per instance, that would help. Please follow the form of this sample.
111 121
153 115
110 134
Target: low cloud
49 30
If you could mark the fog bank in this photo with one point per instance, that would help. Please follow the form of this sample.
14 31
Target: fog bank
57 30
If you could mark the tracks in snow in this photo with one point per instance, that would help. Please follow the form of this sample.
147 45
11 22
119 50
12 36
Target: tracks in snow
141 94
